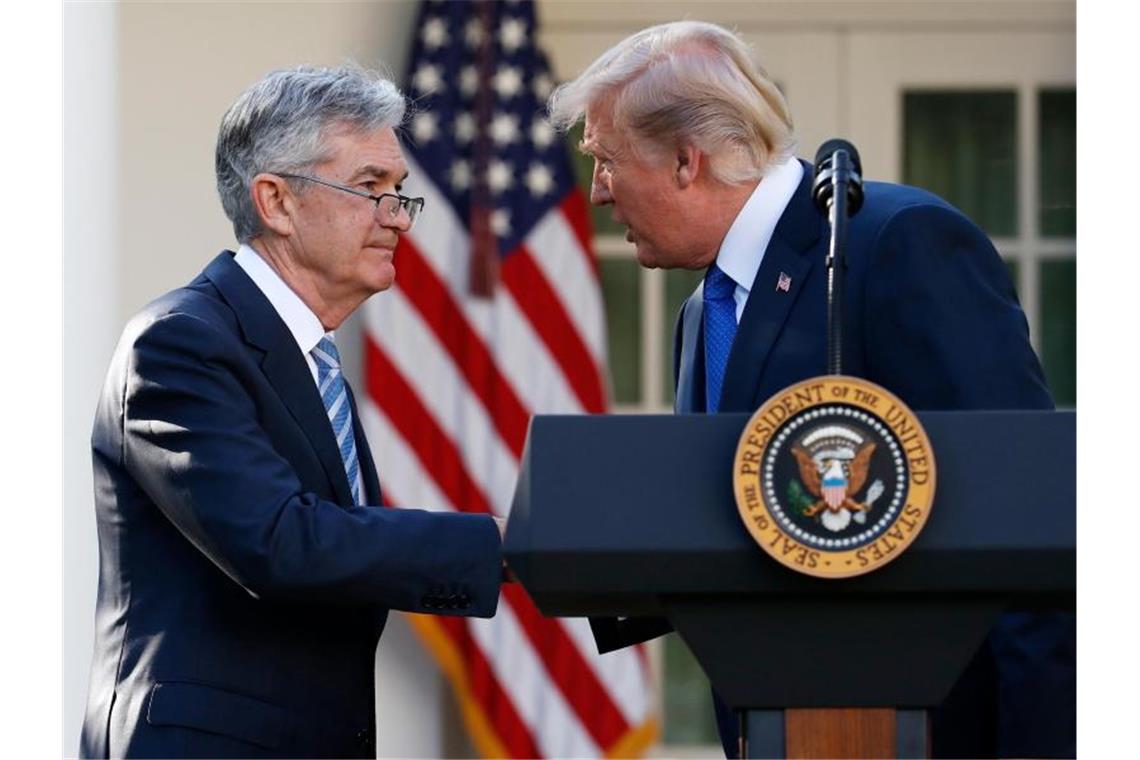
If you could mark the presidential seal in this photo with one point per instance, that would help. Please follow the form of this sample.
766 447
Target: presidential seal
834 476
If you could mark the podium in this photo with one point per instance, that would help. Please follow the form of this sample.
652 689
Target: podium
634 516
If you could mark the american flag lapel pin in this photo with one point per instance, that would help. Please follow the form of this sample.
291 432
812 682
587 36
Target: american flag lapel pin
784 283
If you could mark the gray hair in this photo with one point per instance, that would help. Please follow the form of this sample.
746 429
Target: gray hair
279 125
688 81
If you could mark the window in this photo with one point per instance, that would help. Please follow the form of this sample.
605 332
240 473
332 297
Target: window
689 716
965 146
1057 190
962 146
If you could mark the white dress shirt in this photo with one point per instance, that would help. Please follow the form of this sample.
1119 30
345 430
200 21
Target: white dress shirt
304 325
743 247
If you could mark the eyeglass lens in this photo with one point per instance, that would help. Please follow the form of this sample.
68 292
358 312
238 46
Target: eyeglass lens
391 205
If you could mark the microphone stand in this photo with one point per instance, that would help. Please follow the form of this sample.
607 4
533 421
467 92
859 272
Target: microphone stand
841 174
837 188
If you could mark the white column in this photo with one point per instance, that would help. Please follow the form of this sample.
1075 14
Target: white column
90 289
409 695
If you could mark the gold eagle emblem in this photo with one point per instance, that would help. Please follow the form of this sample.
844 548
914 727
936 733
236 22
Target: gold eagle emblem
843 481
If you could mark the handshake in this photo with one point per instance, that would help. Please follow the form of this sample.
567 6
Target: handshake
501 524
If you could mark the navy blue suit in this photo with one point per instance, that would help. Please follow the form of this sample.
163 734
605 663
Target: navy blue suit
241 595
931 315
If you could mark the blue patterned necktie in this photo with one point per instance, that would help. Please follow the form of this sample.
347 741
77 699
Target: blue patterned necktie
720 329
334 395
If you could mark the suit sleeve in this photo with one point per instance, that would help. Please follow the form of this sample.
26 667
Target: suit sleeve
944 327
193 443
618 633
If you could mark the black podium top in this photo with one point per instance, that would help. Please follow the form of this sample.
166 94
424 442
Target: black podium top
613 514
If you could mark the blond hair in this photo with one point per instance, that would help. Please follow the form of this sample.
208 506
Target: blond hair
688 81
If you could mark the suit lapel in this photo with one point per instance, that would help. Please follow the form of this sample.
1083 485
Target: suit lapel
767 309
688 387
283 365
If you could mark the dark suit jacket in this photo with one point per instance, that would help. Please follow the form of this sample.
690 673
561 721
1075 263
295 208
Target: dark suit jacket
241 595
930 314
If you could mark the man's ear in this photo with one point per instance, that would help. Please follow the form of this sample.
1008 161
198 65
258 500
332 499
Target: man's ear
275 203
687 164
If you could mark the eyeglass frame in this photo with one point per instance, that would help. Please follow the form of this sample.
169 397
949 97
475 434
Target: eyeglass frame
406 203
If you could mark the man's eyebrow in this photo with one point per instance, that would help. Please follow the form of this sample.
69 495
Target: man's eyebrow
379 172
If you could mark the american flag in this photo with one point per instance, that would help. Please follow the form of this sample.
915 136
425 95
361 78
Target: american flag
496 315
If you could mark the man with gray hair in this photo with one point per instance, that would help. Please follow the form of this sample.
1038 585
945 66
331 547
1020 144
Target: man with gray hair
693 151
246 565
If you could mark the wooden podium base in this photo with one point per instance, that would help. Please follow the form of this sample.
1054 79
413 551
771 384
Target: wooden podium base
803 734
840 733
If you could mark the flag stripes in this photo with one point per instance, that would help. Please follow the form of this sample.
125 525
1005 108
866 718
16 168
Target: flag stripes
539 303
569 266
441 313
420 431
453 372
499 324
561 658
499 730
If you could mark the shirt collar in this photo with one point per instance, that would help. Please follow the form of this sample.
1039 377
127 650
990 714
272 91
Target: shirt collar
743 247
306 328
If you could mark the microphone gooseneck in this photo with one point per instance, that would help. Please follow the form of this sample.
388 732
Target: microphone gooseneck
837 190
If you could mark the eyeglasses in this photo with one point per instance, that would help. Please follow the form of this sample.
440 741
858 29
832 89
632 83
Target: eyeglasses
387 204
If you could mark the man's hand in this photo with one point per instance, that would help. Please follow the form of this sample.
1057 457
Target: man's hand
501 524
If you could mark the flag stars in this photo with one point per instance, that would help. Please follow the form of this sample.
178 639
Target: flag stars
541 133
493 111
508 81
425 127
501 222
499 176
460 175
427 79
465 127
542 85
512 34
473 33
434 33
468 81
539 180
504 128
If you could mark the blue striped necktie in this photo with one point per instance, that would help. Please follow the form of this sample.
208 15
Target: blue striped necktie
334 395
720 329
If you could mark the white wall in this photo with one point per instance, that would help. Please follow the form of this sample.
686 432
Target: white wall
90 318
180 66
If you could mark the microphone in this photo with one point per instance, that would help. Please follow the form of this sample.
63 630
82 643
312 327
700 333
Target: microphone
837 164
837 191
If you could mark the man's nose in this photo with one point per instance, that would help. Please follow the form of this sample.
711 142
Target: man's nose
600 192
401 222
